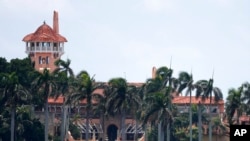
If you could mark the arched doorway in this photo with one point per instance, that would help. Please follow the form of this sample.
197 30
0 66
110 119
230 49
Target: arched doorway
112 132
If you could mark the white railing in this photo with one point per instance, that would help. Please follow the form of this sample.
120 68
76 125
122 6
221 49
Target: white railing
44 49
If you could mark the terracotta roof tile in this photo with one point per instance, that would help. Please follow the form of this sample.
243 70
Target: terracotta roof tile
44 33
194 100
245 118
59 100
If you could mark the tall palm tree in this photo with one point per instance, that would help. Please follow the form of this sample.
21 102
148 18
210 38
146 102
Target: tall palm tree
121 99
86 86
137 107
157 111
65 86
100 108
64 66
206 91
186 81
13 94
234 105
45 86
246 96
165 83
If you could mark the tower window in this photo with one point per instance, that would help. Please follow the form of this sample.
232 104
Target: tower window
32 44
40 60
47 60
61 44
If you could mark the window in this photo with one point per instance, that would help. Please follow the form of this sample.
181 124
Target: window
47 60
55 44
43 61
40 60
32 44
214 110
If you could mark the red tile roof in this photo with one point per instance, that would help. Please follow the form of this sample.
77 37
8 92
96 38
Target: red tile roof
60 99
194 100
44 33
245 118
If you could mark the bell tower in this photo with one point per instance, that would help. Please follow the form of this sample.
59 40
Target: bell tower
45 45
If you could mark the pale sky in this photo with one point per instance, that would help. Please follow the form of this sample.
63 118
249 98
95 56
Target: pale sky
115 38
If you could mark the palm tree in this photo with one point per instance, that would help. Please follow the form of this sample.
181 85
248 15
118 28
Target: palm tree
207 90
137 107
186 81
64 66
157 111
234 105
45 85
66 76
13 94
246 96
86 86
100 108
121 99
166 84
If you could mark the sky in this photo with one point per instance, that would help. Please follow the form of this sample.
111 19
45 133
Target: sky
114 38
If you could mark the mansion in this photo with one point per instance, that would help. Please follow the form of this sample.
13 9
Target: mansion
46 45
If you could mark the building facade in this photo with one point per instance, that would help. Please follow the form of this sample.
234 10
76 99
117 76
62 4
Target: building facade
45 46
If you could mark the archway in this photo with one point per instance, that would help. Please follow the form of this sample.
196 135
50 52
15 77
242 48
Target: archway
112 132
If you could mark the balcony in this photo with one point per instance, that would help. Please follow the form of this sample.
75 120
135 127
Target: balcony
44 47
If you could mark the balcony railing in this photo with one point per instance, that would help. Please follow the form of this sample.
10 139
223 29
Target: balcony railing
44 49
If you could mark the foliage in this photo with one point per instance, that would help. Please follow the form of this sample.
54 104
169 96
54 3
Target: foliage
74 131
118 96
152 135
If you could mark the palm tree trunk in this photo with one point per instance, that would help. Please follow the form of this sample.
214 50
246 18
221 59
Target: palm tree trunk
136 128
210 120
168 132
123 125
87 125
67 122
159 131
162 134
103 120
46 129
190 116
199 122
63 122
12 129
168 124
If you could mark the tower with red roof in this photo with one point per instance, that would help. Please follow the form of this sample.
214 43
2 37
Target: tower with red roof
45 45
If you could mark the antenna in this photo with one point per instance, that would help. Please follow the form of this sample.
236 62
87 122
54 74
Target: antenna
213 74
170 62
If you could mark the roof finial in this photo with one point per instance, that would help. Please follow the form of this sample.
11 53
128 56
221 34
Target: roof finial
44 22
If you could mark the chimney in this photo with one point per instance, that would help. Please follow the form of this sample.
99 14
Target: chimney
55 22
154 72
